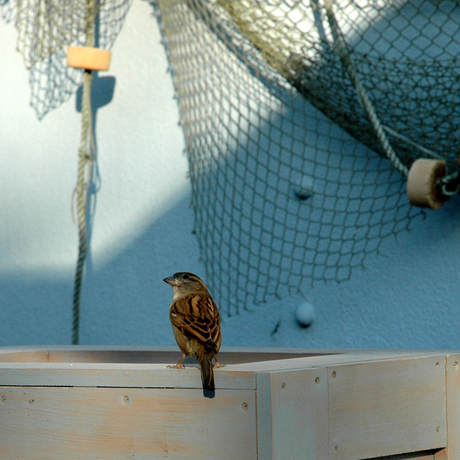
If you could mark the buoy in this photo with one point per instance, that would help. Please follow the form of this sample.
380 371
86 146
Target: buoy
422 181
88 58
305 314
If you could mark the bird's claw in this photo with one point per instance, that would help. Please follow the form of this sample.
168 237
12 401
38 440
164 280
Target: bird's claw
176 366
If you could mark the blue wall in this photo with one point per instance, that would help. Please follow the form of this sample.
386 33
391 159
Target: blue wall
406 297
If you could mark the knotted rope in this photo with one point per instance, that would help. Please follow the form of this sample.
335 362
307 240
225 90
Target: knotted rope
87 156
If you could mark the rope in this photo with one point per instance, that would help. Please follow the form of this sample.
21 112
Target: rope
86 158
347 62
247 74
450 185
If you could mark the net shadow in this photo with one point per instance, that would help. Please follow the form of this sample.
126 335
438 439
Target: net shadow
283 198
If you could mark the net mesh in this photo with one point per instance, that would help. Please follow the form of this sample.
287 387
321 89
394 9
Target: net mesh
282 197
45 29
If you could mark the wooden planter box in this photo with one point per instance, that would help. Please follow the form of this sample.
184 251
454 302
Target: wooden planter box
118 403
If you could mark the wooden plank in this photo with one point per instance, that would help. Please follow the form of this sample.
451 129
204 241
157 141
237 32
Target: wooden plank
452 450
264 417
243 359
326 360
140 356
298 416
95 423
48 349
387 407
81 366
69 349
113 372
118 375
378 402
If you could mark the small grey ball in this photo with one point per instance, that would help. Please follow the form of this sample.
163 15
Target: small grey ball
305 314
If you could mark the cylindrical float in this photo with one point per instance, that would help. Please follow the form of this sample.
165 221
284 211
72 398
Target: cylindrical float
422 181
89 58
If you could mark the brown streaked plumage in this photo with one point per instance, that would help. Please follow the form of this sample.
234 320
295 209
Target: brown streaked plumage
196 324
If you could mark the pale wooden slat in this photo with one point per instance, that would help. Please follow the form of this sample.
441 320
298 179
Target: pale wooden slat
299 401
143 354
332 359
452 450
113 373
387 407
47 349
379 403
118 375
244 359
139 355
264 417
96 423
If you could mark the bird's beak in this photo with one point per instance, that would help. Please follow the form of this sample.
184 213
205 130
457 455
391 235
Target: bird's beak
171 280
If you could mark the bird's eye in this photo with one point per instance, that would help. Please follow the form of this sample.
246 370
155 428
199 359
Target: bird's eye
186 277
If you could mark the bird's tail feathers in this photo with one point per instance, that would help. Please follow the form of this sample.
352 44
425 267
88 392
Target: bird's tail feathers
207 371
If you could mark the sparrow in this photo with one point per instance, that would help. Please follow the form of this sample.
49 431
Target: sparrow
195 321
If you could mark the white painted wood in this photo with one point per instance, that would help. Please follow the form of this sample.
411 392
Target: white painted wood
332 358
334 404
452 451
96 423
264 417
109 375
299 401
387 407
140 367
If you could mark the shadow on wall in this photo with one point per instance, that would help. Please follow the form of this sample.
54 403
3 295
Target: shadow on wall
124 301
249 224
407 299
404 298
103 90
282 196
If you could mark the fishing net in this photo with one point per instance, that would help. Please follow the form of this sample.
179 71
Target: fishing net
282 197
7 10
45 29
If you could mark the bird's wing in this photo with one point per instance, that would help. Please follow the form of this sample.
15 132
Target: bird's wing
197 317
